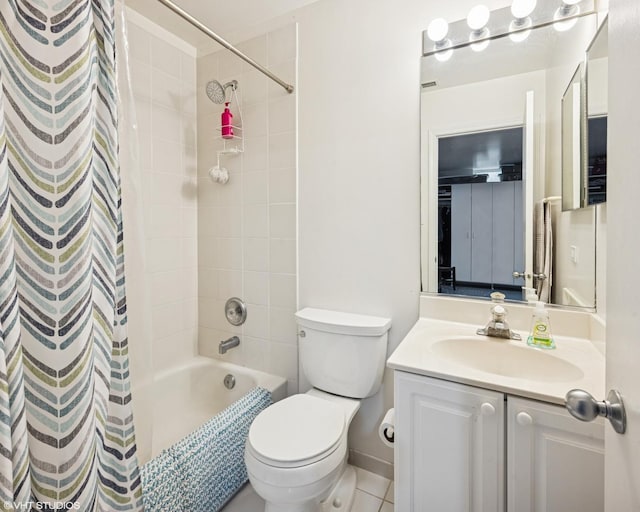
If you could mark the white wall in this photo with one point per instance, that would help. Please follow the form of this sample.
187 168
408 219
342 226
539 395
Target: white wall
247 227
359 171
480 105
161 269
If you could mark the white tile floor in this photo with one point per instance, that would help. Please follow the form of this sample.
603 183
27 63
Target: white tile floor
374 493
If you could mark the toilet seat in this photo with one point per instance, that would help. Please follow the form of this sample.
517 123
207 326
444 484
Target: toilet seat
296 431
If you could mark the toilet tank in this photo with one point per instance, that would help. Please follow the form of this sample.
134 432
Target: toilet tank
342 353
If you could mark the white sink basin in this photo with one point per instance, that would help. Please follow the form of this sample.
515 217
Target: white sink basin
453 351
506 358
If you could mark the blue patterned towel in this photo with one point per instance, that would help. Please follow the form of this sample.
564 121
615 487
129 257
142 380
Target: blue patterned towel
208 464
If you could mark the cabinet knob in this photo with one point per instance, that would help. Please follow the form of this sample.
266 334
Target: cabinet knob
524 419
486 409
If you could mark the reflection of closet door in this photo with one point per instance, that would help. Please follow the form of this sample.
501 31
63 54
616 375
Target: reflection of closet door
481 232
519 231
461 231
503 232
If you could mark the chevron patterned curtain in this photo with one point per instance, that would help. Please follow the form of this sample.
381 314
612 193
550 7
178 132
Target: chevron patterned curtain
66 431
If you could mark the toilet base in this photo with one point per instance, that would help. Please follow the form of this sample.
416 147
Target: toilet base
340 498
342 495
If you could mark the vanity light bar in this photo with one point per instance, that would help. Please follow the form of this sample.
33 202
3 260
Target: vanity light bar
500 24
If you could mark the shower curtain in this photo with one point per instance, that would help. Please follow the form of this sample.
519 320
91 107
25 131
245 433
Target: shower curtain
66 430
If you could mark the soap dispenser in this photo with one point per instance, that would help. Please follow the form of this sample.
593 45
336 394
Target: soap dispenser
540 336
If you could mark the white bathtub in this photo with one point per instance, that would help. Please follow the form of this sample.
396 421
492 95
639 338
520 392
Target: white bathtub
182 399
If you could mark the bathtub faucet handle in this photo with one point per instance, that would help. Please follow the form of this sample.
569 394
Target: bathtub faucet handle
225 345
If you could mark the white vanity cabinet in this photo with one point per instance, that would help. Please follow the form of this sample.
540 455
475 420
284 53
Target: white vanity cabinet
450 452
449 448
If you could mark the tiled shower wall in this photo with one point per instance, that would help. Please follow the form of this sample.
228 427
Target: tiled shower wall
163 80
247 227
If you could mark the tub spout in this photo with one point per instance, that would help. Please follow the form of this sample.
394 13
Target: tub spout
225 345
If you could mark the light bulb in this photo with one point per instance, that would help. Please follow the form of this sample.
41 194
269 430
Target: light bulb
442 53
482 35
561 24
444 56
479 47
567 9
518 37
517 26
478 17
523 8
437 29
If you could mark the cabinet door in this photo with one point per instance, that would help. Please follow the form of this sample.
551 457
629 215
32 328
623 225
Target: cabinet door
481 232
555 463
461 231
449 453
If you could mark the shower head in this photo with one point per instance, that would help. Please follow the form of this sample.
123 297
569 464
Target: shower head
218 92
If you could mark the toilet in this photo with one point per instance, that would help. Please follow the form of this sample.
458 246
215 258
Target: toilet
296 451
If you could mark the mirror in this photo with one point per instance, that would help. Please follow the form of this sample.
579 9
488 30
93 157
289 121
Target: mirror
597 109
491 139
584 129
573 134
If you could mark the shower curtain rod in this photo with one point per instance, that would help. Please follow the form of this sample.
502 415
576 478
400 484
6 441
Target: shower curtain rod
203 28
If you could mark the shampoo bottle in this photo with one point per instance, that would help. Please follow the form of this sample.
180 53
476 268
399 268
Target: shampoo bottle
227 123
540 328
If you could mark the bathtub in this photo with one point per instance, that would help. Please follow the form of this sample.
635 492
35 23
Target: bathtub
184 398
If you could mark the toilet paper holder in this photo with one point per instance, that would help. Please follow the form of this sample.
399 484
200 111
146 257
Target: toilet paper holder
386 430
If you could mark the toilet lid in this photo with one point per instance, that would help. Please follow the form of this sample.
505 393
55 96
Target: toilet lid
298 429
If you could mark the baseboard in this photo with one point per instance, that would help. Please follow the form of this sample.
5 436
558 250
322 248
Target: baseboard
370 463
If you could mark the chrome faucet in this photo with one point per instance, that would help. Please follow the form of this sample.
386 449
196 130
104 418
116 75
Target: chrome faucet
225 345
498 326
